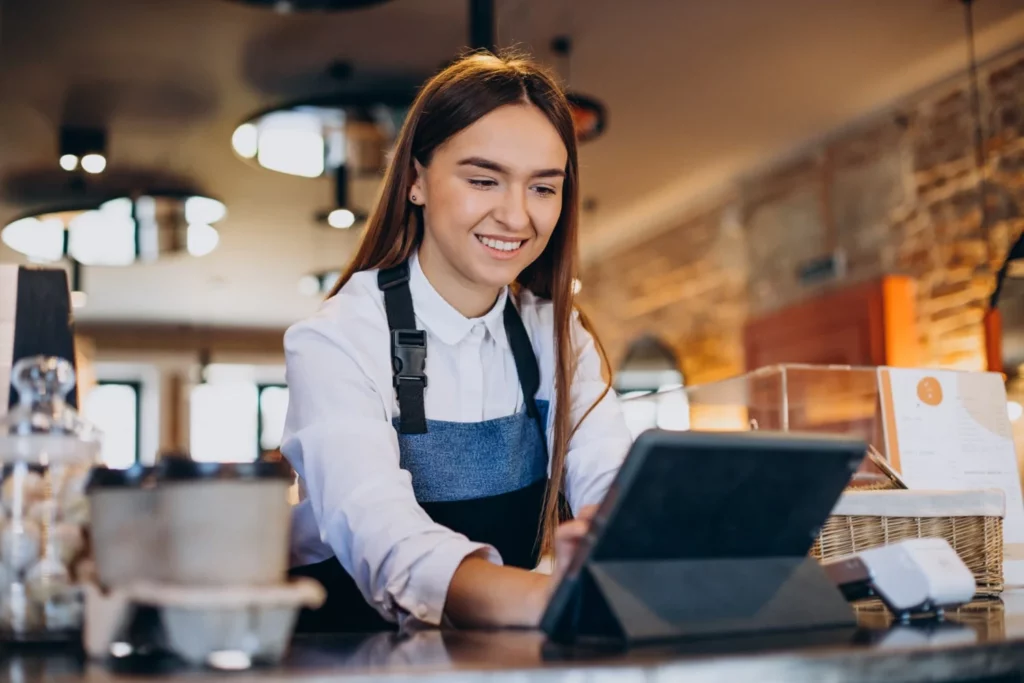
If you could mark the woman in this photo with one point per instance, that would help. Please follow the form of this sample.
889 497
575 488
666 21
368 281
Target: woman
448 362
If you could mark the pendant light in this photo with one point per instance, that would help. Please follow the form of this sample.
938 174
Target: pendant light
589 115
120 231
315 136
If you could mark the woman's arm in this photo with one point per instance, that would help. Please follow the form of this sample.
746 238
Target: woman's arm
339 439
483 594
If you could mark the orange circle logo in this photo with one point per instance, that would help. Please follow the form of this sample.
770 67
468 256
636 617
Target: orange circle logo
929 391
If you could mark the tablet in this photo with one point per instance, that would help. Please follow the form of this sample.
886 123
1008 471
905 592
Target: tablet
693 496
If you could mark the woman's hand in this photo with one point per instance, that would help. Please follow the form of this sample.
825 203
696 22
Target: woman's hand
568 537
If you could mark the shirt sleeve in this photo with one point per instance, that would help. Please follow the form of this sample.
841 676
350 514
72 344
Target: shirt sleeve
339 439
599 446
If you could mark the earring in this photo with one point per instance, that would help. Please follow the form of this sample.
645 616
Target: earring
413 199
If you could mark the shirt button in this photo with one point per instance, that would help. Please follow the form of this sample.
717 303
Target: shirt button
421 611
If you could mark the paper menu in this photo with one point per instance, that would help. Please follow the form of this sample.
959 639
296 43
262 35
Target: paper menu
947 430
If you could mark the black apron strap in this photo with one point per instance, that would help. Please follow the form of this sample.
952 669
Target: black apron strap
408 349
526 366
409 354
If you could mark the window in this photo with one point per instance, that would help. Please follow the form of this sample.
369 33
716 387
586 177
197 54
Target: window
273 403
651 386
223 421
114 408
664 409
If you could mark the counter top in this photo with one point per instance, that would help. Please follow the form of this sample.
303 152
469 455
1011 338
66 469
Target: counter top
982 640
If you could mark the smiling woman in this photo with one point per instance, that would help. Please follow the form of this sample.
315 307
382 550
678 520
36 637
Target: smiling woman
434 500
489 217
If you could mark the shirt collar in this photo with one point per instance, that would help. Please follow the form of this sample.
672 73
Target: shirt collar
450 326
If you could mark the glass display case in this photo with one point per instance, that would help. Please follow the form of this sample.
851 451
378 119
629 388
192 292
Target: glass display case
46 452
806 398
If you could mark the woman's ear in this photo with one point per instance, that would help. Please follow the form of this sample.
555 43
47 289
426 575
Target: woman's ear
417 191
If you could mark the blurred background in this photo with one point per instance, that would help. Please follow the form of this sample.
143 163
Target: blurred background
762 182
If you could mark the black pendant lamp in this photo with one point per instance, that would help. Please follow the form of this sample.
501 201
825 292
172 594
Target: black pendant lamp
589 114
343 215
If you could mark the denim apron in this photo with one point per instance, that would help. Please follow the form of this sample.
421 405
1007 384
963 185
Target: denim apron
485 480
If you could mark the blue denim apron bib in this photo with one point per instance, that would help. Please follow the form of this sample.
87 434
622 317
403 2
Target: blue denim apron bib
485 480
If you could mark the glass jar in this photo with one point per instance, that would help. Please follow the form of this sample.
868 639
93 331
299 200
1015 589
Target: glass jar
46 451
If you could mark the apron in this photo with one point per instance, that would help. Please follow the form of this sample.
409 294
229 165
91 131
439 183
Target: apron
485 480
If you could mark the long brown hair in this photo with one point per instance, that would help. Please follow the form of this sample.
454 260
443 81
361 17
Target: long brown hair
449 102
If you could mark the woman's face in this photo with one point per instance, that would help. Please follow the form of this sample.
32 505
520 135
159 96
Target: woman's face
491 196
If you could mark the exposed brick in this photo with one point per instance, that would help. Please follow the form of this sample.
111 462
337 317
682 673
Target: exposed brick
897 194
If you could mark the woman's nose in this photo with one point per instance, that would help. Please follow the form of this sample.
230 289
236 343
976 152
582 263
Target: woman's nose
513 210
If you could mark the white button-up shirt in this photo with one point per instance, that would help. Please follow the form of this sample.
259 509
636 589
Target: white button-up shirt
358 503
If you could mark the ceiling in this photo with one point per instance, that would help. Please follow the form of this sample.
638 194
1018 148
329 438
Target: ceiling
698 92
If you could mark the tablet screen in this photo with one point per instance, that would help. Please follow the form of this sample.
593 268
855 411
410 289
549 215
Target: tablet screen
690 495
698 495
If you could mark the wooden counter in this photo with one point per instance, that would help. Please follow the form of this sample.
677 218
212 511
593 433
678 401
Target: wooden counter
982 642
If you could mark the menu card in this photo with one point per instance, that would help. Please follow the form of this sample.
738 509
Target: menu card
947 430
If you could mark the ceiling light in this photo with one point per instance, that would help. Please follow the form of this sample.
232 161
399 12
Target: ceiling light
341 218
120 231
589 116
291 142
245 140
354 128
103 237
94 163
40 238
201 239
204 210
86 144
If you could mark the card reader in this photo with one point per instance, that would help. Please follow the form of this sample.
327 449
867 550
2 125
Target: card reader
913 577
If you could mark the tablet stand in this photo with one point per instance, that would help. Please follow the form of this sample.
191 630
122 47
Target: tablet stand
641 601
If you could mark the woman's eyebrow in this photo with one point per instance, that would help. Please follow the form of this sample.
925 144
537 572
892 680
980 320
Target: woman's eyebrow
489 165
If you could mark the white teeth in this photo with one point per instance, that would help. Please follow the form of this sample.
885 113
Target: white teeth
500 245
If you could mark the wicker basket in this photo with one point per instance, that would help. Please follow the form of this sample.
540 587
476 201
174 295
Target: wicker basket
971 521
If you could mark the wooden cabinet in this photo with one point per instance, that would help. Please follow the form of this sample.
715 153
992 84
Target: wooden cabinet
870 323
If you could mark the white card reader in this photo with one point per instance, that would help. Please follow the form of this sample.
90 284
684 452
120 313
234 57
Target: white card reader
913 577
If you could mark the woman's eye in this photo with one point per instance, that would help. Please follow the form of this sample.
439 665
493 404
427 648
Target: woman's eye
545 191
482 182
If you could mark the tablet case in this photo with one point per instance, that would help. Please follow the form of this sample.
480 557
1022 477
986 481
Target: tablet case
707 535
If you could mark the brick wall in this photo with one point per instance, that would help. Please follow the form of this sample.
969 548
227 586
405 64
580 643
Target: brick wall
894 194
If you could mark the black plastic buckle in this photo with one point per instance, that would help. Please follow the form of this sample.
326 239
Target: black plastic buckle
409 356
